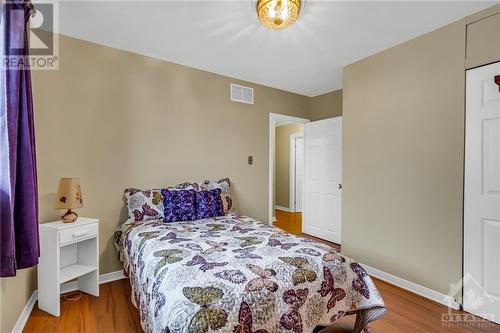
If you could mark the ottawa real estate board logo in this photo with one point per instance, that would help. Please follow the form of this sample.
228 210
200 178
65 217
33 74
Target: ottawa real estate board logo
41 35
479 302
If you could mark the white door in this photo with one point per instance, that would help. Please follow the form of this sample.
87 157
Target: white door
323 179
482 194
299 174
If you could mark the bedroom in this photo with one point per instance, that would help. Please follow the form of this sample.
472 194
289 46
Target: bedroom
140 97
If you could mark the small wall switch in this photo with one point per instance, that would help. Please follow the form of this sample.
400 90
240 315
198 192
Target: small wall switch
250 160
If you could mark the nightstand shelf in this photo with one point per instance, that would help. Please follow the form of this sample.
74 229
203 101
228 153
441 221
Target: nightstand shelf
73 271
67 251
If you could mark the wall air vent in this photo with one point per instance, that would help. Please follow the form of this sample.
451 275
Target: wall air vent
241 94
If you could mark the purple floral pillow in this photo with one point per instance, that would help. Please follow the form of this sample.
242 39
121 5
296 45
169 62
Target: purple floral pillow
209 204
178 205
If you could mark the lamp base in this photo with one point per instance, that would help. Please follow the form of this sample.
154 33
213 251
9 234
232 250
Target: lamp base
69 216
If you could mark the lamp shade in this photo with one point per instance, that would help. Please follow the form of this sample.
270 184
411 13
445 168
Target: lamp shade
69 194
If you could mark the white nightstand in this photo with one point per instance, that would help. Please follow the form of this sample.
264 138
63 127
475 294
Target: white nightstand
67 251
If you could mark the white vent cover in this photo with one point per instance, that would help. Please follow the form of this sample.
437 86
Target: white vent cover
241 94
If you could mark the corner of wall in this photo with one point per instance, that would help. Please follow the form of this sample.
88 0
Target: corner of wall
326 106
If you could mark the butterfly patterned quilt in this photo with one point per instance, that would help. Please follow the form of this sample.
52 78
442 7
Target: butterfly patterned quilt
235 274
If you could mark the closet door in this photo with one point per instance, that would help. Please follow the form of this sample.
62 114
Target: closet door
482 194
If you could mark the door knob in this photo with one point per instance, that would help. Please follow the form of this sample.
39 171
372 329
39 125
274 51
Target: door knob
340 186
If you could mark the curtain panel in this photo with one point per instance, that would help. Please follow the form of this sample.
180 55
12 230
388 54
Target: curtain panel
19 244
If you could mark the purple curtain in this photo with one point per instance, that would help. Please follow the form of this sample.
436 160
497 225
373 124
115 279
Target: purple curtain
19 247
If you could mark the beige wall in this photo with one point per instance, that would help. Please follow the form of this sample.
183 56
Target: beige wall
327 105
14 294
282 162
403 152
117 119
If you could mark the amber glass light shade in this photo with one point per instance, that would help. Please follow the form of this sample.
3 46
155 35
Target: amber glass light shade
278 14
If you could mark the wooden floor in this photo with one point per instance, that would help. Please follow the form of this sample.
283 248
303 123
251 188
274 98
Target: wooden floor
408 312
114 312
290 222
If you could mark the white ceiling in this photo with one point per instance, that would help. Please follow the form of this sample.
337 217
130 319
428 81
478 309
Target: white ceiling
225 37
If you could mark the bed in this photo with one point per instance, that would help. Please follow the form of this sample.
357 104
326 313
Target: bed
236 274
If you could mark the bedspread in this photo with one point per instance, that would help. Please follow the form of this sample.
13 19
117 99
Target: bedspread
236 274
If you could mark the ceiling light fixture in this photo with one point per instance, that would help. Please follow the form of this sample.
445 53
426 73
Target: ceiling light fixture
278 14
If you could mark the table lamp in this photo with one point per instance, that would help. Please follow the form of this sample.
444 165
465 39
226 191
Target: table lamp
69 195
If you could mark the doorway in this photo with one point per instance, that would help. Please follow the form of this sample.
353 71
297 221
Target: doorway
285 182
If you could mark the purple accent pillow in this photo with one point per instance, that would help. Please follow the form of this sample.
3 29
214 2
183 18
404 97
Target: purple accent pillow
209 204
178 205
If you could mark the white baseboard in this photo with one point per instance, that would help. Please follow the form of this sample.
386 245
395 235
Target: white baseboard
274 218
113 276
65 288
23 318
285 209
413 287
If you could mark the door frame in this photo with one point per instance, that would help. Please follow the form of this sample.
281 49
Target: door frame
274 119
291 199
